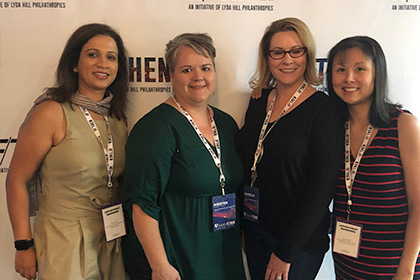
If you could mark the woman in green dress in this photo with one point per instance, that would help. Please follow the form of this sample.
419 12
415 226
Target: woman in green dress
182 177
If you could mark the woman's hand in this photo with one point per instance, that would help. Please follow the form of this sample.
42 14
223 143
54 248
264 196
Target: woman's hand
148 233
277 269
167 272
25 263
256 93
402 276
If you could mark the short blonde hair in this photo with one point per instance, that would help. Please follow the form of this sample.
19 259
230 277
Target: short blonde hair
199 42
263 78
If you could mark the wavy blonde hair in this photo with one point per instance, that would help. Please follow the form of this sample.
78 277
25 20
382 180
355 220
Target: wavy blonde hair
262 77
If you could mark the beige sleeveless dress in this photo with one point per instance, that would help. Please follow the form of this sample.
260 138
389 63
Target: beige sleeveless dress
69 233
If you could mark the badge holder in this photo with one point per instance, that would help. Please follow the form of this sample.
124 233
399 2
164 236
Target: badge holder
347 238
251 204
224 212
113 219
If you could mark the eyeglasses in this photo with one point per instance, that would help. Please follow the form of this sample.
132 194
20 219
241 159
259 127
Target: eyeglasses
294 53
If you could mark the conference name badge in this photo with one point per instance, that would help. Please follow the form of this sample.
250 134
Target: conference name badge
113 219
251 203
347 238
224 212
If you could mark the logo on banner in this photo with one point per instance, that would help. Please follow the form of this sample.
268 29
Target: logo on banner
405 5
232 5
148 71
5 144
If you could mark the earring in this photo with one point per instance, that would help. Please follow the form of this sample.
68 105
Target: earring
75 70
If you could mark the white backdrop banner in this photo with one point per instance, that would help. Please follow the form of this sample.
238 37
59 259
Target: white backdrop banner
33 35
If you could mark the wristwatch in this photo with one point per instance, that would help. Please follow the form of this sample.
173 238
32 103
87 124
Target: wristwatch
22 245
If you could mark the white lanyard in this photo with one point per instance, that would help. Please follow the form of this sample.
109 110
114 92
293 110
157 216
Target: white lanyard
351 174
263 134
109 151
217 159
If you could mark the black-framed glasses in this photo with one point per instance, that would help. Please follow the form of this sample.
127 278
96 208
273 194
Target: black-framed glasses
294 53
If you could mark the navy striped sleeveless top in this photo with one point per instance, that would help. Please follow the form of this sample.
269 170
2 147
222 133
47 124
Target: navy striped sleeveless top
380 205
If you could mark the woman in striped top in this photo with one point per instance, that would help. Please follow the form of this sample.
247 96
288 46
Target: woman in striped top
377 200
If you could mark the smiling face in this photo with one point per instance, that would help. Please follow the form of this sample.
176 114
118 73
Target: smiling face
194 78
288 71
97 66
353 77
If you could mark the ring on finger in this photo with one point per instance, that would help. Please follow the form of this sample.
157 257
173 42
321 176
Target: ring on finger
279 277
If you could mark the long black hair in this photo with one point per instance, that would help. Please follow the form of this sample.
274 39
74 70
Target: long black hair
67 81
381 107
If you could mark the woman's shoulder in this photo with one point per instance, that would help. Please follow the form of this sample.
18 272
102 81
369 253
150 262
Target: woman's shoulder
47 111
265 92
223 117
157 119
47 120
157 114
407 121
316 101
221 113
396 117
409 140
320 96
319 101
259 101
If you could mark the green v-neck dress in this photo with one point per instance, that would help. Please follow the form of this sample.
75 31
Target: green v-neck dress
172 177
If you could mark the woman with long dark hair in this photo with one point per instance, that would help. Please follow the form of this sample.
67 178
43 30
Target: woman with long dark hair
377 200
75 135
